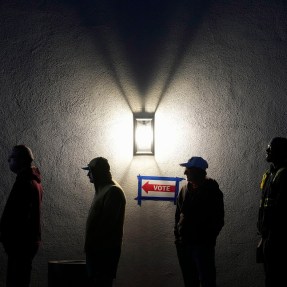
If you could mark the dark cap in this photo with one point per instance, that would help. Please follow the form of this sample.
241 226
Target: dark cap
98 163
197 162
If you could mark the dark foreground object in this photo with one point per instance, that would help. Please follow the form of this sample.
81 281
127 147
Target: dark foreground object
67 273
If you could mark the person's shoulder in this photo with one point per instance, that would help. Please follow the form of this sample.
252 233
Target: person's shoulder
184 187
116 190
213 185
282 170
183 190
28 175
116 186
212 182
281 174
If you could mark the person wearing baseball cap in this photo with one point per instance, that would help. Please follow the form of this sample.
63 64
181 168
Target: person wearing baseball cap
199 218
105 223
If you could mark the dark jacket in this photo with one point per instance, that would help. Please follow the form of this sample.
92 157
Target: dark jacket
272 211
199 213
105 222
20 223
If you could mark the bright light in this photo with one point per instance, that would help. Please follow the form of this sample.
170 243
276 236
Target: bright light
143 136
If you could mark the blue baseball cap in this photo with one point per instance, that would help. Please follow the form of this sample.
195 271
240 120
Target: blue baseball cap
195 161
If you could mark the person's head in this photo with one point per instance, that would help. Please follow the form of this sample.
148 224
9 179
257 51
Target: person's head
20 158
99 171
195 169
276 151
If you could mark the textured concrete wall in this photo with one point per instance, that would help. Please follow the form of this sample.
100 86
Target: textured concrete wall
71 77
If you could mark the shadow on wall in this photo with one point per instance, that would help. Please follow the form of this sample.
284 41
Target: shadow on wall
141 30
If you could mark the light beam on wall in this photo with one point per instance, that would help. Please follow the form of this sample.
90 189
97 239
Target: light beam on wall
143 134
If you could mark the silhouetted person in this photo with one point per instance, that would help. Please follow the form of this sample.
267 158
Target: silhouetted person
272 216
20 225
199 218
104 228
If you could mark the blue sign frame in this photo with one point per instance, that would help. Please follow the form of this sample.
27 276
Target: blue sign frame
140 198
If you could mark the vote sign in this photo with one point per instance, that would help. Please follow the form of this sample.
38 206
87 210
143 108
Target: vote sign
158 188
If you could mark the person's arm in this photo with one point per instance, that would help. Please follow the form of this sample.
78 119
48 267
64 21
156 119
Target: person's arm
35 211
111 219
218 212
178 213
279 210
114 203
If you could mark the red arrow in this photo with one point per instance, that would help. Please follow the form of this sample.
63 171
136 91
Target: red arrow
158 187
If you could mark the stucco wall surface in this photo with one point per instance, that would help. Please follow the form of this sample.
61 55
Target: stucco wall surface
71 79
